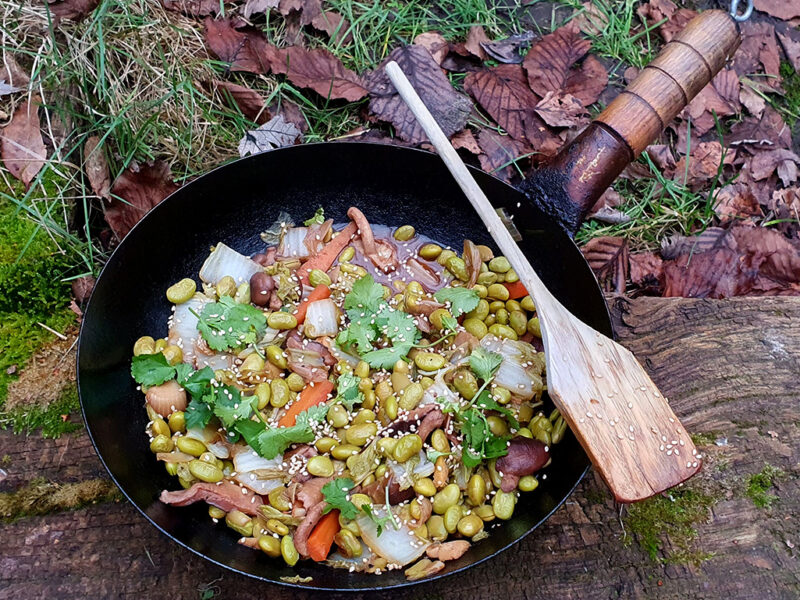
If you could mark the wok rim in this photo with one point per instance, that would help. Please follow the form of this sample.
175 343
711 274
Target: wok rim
153 214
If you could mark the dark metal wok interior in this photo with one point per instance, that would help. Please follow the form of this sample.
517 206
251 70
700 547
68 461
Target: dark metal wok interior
392 186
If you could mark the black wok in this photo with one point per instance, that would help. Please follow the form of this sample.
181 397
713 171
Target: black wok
233 204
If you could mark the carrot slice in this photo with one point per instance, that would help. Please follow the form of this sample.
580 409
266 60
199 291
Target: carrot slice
311 395
321 539
328 254
516 290
320 292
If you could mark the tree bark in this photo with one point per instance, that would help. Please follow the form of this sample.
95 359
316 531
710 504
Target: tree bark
730 369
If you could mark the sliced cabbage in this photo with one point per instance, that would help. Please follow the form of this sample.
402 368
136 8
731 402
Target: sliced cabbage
257 473
183 326
322 318
226 261
522 366
220 361
422 467
439 393
293 243
398 546
212 438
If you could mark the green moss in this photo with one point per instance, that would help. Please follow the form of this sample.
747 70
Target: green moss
673 516
705 438
791 83
41 497
596 496
759 483
49 419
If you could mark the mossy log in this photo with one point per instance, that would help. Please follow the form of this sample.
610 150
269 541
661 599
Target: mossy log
731 370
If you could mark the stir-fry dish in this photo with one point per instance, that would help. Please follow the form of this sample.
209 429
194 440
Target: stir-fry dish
354 394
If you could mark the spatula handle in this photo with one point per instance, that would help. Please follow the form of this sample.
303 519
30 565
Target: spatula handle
568 186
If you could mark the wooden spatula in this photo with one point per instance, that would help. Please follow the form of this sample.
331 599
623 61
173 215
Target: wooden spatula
617 413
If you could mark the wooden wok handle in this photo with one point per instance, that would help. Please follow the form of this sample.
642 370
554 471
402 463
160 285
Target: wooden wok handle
684 67
569 185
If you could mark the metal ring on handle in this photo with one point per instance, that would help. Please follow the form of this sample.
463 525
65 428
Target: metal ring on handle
735 10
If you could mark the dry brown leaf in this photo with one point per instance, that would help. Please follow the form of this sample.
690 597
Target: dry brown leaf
782 9
768 131
766 162
727 84
82 288
275 133
141 187
752 101
791 47
243 49
608 258
320 71
605 209
588 81
193 8
12 73
509 50
74 10
704 162
736 201
676 23
675 245
590 19
255 7
291 113
549 61
656 10
433 42
249 101
662 157
713 274
96 167
476 37
465 140
21 145
703 107
498 152
647 271
759 47
561 110
307 10
335 25
450 108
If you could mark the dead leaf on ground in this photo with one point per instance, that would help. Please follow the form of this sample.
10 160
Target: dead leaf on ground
752 101
21 145
705 105
141 186
656 10
605 209
193 8
275 133
243 49
759 47
736 201
677 23
335 25
791 47
704 164
248 101
782 9
608 258
74 10
561 110
588 81
498 152
433 42
590 19
320 71
766 162
307 10
96 167
291 112
13 74
450 108
647 271
82 287
768 131
476 37
662 157
503 93
509 50
727 84
256 7
549 61
675 245
465 140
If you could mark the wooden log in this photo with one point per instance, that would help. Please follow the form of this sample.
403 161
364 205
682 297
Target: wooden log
730 369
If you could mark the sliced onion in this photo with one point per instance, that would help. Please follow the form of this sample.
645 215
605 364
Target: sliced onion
257 473
340 354
215 361
219 449
183 326
226 261
174 457
438 393
422 468
521 369
305 358
398 546
293 243
322 318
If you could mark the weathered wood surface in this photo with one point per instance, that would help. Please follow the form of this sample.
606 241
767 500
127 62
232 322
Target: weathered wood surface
730 368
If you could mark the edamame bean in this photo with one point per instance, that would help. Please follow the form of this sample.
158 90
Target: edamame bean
144 345
501 395
480 312
407 446
347 254
498 291
276 357
324 444
173 354
425 487
497 425
451 518
362 369
430 251
288 551
361 433
436 529
215 512
470 525
487 278
444 256
534 328
278 499
511 276
320 466
439 441
159 427
404 233
383 390
171 468
279 393
177 421
437 317
338 416
503 331
369 399
501 316
242 295
485 512
386 446
512 305
283 320
476 327
499 264
466 384
344 451
527 304
226 286
263 393
160 345
390 408
364 416
295 382
476 490
518 321
205 471
239 522
318 277
496 305
503 504
270 546
161 443
481 290
190 446
528 483
445 498
348 543
252 364
429 361
457 267
411 396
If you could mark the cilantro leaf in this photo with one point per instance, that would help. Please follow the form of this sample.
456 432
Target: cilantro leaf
365 296
182 372
347 391
449 323
335 493
319 217
230 407
198 382
462 300
357 334
385 358
484 363
151 369
479 442
379 521
434 454
399 326
226 324
316 413
269 442
198 414
486 402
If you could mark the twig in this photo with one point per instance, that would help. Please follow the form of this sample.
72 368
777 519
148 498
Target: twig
51 330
